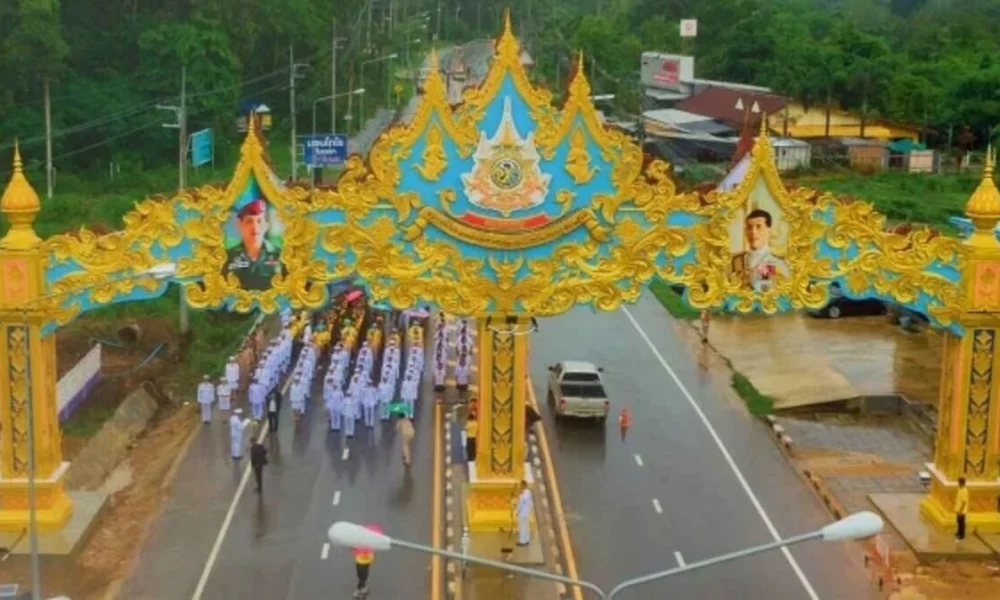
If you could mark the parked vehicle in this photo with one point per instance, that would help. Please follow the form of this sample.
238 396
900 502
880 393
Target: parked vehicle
908 319
842 306
576 389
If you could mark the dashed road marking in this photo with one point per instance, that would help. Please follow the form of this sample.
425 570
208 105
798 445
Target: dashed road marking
638 459
336 498
680 559
346 454
325 552
657 507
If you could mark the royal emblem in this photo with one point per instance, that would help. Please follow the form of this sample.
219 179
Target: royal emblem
507 177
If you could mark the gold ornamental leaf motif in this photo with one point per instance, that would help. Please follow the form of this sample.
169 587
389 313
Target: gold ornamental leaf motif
578 159
435 159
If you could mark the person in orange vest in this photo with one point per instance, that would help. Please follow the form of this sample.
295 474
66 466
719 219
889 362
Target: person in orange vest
363 559
624 421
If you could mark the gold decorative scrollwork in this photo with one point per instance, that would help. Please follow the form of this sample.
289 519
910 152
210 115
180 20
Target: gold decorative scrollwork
504 240
435 160
18 378
980 394
578 159
502 403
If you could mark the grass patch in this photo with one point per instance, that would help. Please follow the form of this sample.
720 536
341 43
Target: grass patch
904 197
672 301
758 404
88 419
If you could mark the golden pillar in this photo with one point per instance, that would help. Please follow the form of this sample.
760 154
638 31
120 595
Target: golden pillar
499 468
968 436
27 371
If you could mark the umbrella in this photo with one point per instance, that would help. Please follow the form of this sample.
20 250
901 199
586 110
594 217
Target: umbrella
354 295
417 313
381 306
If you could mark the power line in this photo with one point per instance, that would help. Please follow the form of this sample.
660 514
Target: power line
158 122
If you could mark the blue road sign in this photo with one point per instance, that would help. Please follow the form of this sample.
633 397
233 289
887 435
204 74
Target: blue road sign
201 147
324 150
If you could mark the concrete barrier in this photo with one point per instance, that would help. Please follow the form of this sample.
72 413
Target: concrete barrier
110 446
74 386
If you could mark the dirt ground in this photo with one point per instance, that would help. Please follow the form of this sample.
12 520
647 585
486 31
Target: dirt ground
119 536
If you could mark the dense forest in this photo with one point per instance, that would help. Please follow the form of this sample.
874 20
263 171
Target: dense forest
108 64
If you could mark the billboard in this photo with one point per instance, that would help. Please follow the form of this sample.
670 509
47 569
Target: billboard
666 71
324 150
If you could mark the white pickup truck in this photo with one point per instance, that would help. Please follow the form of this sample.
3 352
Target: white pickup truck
576 389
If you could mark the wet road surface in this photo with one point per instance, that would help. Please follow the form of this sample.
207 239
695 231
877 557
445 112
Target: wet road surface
275 546
667 493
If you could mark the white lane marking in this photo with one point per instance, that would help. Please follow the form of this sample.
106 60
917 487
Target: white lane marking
325 552
336 498
214 554
346 454
657 507
680 559
726 455
638 459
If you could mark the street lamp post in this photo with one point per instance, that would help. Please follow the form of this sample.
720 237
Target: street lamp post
388 81
158 272
857 526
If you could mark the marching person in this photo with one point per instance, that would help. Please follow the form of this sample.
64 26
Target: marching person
258 458
350 408
462 376
298 397
363 559
206 396
370 400
408 392
225 394
523 513
471 431
961 508
256 396
273 407
335 405
440 373
405 429
233 374
236 429
706 320
386 387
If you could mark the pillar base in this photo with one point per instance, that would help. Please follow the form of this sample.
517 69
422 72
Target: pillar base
984 504
53 506
489 503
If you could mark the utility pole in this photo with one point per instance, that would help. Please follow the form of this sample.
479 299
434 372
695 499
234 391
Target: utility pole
333 80
180 112
368 28
48 138
437 30
293 75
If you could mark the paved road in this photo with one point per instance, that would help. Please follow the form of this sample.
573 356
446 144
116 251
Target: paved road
668 493
274 547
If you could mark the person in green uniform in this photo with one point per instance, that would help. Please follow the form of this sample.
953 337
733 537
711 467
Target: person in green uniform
255 260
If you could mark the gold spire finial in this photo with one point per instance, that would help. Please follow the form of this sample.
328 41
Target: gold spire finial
508 29
763 125
433 60
434 85
579 87
983 207
20 204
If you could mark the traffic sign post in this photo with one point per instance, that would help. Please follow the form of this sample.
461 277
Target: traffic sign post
324 150
202 148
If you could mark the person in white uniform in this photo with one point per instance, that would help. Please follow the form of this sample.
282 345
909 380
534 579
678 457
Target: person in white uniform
225 393
349 410
237 425
523 513
298 397
335 405
233 374
256 396
206 396
408 392
462 377
386 387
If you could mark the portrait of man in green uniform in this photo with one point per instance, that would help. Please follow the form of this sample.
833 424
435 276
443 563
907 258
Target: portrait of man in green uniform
255 259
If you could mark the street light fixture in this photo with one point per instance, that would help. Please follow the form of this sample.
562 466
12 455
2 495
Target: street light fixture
356 92
388 88
158 272
853 527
